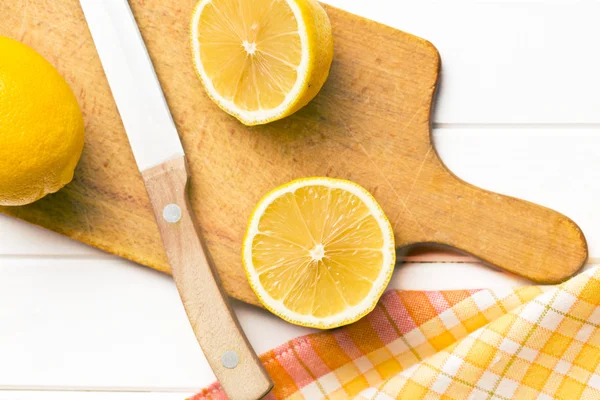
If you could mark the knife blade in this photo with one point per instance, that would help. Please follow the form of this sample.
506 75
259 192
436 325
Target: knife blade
133 82
161 160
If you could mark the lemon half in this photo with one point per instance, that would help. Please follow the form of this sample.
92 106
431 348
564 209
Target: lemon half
261 60
319 252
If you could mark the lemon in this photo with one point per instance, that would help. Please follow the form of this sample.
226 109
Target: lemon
319 252
41 126
261 60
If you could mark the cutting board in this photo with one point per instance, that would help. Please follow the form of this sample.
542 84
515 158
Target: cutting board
370 124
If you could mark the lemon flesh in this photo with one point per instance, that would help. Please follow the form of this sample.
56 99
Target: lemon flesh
261 60
319 252
41 126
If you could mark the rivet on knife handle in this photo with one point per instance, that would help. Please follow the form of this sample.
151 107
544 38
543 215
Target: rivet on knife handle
233 361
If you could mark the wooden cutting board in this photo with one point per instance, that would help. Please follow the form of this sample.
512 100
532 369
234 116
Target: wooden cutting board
370 124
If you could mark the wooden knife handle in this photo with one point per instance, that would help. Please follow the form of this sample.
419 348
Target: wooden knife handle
232 359
521 237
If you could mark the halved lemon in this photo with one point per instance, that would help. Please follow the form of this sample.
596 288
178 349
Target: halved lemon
319 252
261 60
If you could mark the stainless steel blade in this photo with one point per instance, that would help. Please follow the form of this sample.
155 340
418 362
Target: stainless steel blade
133 82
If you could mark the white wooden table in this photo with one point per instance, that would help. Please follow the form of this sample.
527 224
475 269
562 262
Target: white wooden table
518 112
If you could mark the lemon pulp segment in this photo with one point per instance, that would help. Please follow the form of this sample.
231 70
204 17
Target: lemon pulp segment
251 51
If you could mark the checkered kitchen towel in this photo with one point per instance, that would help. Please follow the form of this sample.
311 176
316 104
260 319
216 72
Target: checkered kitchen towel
525 343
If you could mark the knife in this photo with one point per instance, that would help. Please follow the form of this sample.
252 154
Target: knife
161 160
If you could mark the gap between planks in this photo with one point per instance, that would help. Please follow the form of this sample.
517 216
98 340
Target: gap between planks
516 125
100 389
437 258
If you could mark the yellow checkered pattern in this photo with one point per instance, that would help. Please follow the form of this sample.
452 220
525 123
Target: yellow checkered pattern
526 343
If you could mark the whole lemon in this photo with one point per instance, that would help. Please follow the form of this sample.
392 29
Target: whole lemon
41 126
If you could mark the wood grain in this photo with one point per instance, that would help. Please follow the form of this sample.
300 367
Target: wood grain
370 124
213 321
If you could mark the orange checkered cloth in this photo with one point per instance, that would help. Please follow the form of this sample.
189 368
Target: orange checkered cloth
524 343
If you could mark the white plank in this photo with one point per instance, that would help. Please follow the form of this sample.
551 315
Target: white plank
94 323
20 238
555 167
87 395
111 324
451 276
531 61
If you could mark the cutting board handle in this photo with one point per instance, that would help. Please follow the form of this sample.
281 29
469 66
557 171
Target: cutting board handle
513 234
232 359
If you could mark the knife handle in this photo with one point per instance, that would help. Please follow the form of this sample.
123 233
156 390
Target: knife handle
232 359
